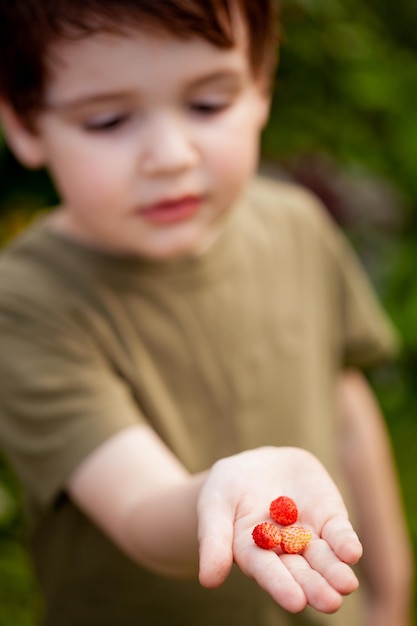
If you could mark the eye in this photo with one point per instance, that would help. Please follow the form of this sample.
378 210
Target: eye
105 123
208 108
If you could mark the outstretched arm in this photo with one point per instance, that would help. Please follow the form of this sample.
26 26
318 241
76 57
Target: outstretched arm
175 523
368 462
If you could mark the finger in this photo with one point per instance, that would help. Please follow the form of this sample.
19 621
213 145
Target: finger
272 576
215 533
343 540
320 595
265 567
216 559
339 575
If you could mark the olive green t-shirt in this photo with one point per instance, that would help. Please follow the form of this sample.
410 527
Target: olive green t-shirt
231 350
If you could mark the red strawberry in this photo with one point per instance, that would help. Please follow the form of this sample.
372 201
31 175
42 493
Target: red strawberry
294 539
284 510
266 535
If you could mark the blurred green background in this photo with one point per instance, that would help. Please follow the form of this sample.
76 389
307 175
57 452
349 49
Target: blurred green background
343 123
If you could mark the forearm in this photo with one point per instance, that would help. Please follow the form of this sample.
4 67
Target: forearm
141 496
161 533
368 463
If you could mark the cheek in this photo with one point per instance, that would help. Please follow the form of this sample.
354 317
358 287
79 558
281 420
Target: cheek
234 148
235 156
84 178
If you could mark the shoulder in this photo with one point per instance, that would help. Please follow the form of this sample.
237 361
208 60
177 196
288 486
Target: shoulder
20 261
31 279
292 218
287 206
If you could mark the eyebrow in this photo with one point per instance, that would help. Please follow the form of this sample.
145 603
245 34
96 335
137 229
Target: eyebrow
214 77
104 97
88 99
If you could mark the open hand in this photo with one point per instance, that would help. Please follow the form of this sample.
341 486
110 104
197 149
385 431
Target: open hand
236 496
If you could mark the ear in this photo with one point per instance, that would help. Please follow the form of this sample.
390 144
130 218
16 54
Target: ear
263 105
265 108
24 142
262 85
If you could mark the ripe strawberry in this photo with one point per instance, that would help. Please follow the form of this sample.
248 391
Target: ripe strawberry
283 510
266 535
294 539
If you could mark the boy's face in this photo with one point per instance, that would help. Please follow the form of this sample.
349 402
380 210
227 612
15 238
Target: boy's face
150 140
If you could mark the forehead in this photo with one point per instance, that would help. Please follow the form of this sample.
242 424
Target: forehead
114 60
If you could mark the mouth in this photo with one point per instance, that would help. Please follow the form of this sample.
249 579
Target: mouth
172 211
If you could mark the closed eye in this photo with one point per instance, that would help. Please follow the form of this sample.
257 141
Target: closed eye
105 124
208 108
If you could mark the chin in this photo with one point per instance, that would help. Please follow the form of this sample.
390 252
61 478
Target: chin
184 247
173 254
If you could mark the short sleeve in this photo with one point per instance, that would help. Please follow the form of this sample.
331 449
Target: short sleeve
368 336
59 400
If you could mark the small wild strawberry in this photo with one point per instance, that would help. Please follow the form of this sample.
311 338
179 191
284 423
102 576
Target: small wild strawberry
283 510
266 535
294 539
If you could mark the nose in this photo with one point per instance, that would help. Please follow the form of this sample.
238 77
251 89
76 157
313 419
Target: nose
167 146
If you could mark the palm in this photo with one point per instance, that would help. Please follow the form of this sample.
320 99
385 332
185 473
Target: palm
237 496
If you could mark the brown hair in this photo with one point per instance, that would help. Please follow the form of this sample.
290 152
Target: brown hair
29 27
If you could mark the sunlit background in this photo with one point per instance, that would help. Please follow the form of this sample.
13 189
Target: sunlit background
344 123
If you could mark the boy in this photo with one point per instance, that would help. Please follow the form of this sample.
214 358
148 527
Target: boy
169 320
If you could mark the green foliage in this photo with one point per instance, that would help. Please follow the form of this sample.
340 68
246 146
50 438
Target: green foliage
19 598
346 85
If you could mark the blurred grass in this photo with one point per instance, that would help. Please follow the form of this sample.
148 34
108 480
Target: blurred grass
20 601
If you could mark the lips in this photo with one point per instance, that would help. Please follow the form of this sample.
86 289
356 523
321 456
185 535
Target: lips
172 211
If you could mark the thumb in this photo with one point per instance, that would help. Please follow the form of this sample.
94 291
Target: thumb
215 534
